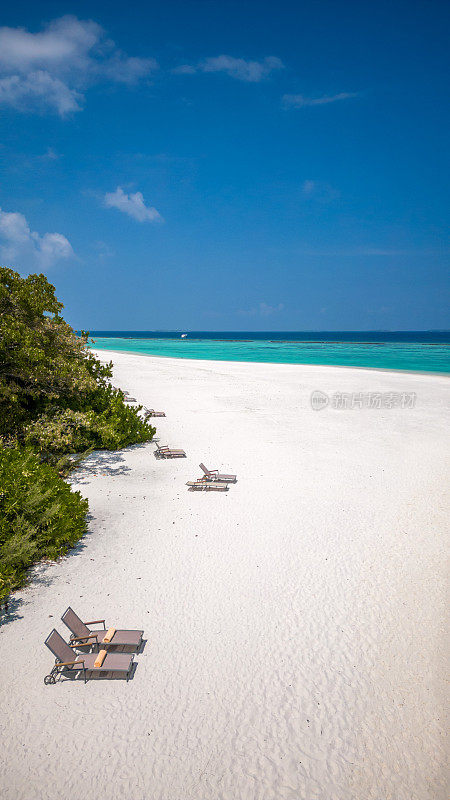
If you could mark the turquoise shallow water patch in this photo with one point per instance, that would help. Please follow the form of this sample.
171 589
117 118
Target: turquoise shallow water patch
398 355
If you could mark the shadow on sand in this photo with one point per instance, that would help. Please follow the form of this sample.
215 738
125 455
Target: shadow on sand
100 462
105 462
36 575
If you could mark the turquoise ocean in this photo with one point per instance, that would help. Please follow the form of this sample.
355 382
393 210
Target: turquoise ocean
419 351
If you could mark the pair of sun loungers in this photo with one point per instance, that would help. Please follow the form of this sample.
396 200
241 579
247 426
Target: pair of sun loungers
101 642
212 480
148 412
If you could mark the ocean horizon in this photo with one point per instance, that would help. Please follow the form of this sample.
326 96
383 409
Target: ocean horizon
416 351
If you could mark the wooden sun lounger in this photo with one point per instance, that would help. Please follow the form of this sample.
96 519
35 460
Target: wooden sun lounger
202 485
68 661
150 412
214 475
167 452
81 634
166 449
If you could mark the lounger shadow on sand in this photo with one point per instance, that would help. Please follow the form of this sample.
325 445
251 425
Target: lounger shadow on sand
205 486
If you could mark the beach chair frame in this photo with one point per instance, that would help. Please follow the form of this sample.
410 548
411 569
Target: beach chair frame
122 637
78 663
215 475
164 451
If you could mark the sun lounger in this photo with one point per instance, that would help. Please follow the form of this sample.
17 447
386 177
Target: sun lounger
213 475
68 661
167 452
202 485
84 636
150 412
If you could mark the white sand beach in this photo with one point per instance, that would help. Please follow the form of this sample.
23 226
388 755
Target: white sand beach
294 625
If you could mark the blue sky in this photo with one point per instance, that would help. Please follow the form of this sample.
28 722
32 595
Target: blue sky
229 165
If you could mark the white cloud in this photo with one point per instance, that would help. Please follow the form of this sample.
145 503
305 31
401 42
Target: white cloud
132 204
300 101
319 191
251 71
262 310
308 187
36 90
24 249
51 69
342 252
51 154
184 69
103 250
266 310
124 69
239 68
65 42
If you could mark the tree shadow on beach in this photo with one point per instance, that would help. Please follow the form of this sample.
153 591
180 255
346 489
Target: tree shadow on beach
10 612
104 462
82 543
36 575
100 462
40 575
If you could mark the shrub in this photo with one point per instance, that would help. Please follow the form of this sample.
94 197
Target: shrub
66 432
55 399
41 358
119 425
75 431
40 515
55 395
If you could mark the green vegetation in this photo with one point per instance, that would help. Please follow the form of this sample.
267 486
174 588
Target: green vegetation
55 400
40 516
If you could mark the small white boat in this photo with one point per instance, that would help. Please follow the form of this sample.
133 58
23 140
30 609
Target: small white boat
183 335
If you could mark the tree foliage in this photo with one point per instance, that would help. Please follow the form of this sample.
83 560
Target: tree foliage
40 515
41 359
55 399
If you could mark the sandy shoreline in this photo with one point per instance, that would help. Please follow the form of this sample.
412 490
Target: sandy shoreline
295 625
274 363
